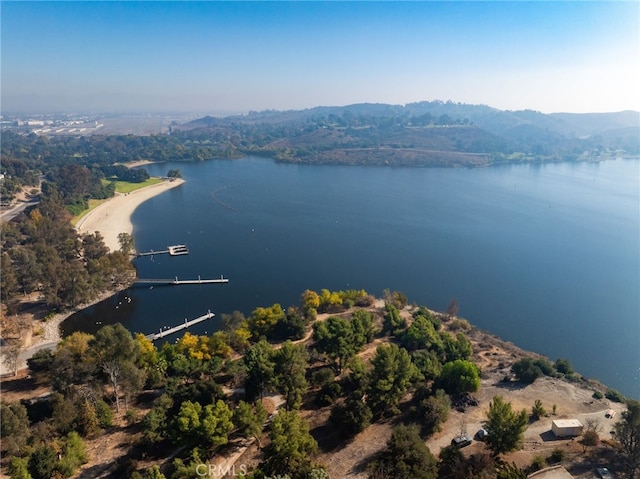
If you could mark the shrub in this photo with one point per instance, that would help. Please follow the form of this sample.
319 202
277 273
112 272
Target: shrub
131 416
329 393
526 371
459 377
322 377
538 463
352 417
563 366
458 324
545 366
557 455
105 415
537 411
615 396
597 395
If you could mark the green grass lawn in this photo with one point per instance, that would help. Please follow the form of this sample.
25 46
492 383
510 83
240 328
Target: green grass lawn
121 187
127 187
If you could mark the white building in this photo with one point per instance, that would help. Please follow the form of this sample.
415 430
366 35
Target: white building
566 427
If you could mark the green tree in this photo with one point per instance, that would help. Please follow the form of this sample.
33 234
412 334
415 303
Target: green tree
263 320
87 422
432 410
563 366
289 373
18 468
428 364
510 471
154 473
505 426
73 455
216 423
526 370
93 246
406 457
187 423
452 463
72 362
115 350
537 410
459 377
363 327
456 348
392 322
9 286
334 337
259 363
190 470
310 302
250 418
132 380
42 462
627 434
14 424
422 335
330 301
353 416
291 448
174 174
125 240
392 374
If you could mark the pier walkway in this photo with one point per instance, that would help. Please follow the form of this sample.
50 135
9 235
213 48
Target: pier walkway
162 333
176 281
175 250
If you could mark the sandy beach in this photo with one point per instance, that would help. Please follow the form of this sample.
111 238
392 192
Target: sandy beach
114 216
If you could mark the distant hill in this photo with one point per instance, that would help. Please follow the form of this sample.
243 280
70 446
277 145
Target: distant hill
425 134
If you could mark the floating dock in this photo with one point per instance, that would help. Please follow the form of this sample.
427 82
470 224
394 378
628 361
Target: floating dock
176 281
162 333
175 250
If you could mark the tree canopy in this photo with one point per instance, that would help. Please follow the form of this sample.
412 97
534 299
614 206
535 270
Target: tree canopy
505 426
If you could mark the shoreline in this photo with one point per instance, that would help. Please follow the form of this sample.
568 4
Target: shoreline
50 336
114 215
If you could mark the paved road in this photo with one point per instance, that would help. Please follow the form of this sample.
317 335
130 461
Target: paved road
24 355
9 214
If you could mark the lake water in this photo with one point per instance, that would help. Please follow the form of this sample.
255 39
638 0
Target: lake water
546 256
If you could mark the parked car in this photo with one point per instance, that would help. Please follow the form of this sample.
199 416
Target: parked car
461 441
604 473
482 434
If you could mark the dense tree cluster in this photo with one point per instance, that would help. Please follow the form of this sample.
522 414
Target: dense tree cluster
199 409
26 157
43 253
527 369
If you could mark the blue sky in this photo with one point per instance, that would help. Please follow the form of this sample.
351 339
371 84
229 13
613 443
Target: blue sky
227 57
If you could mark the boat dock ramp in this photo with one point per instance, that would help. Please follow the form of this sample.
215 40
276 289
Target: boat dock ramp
166 332
175 250
176 281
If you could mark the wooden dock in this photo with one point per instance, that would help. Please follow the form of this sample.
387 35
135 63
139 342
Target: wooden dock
175 250
166 332
176 281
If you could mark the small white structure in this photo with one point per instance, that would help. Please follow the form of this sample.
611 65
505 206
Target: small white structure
566 427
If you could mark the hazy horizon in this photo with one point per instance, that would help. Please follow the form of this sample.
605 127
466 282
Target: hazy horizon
225 58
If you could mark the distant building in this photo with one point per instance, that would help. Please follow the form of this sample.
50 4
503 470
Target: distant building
566 427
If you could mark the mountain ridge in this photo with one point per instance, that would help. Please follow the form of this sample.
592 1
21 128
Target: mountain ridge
427 134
